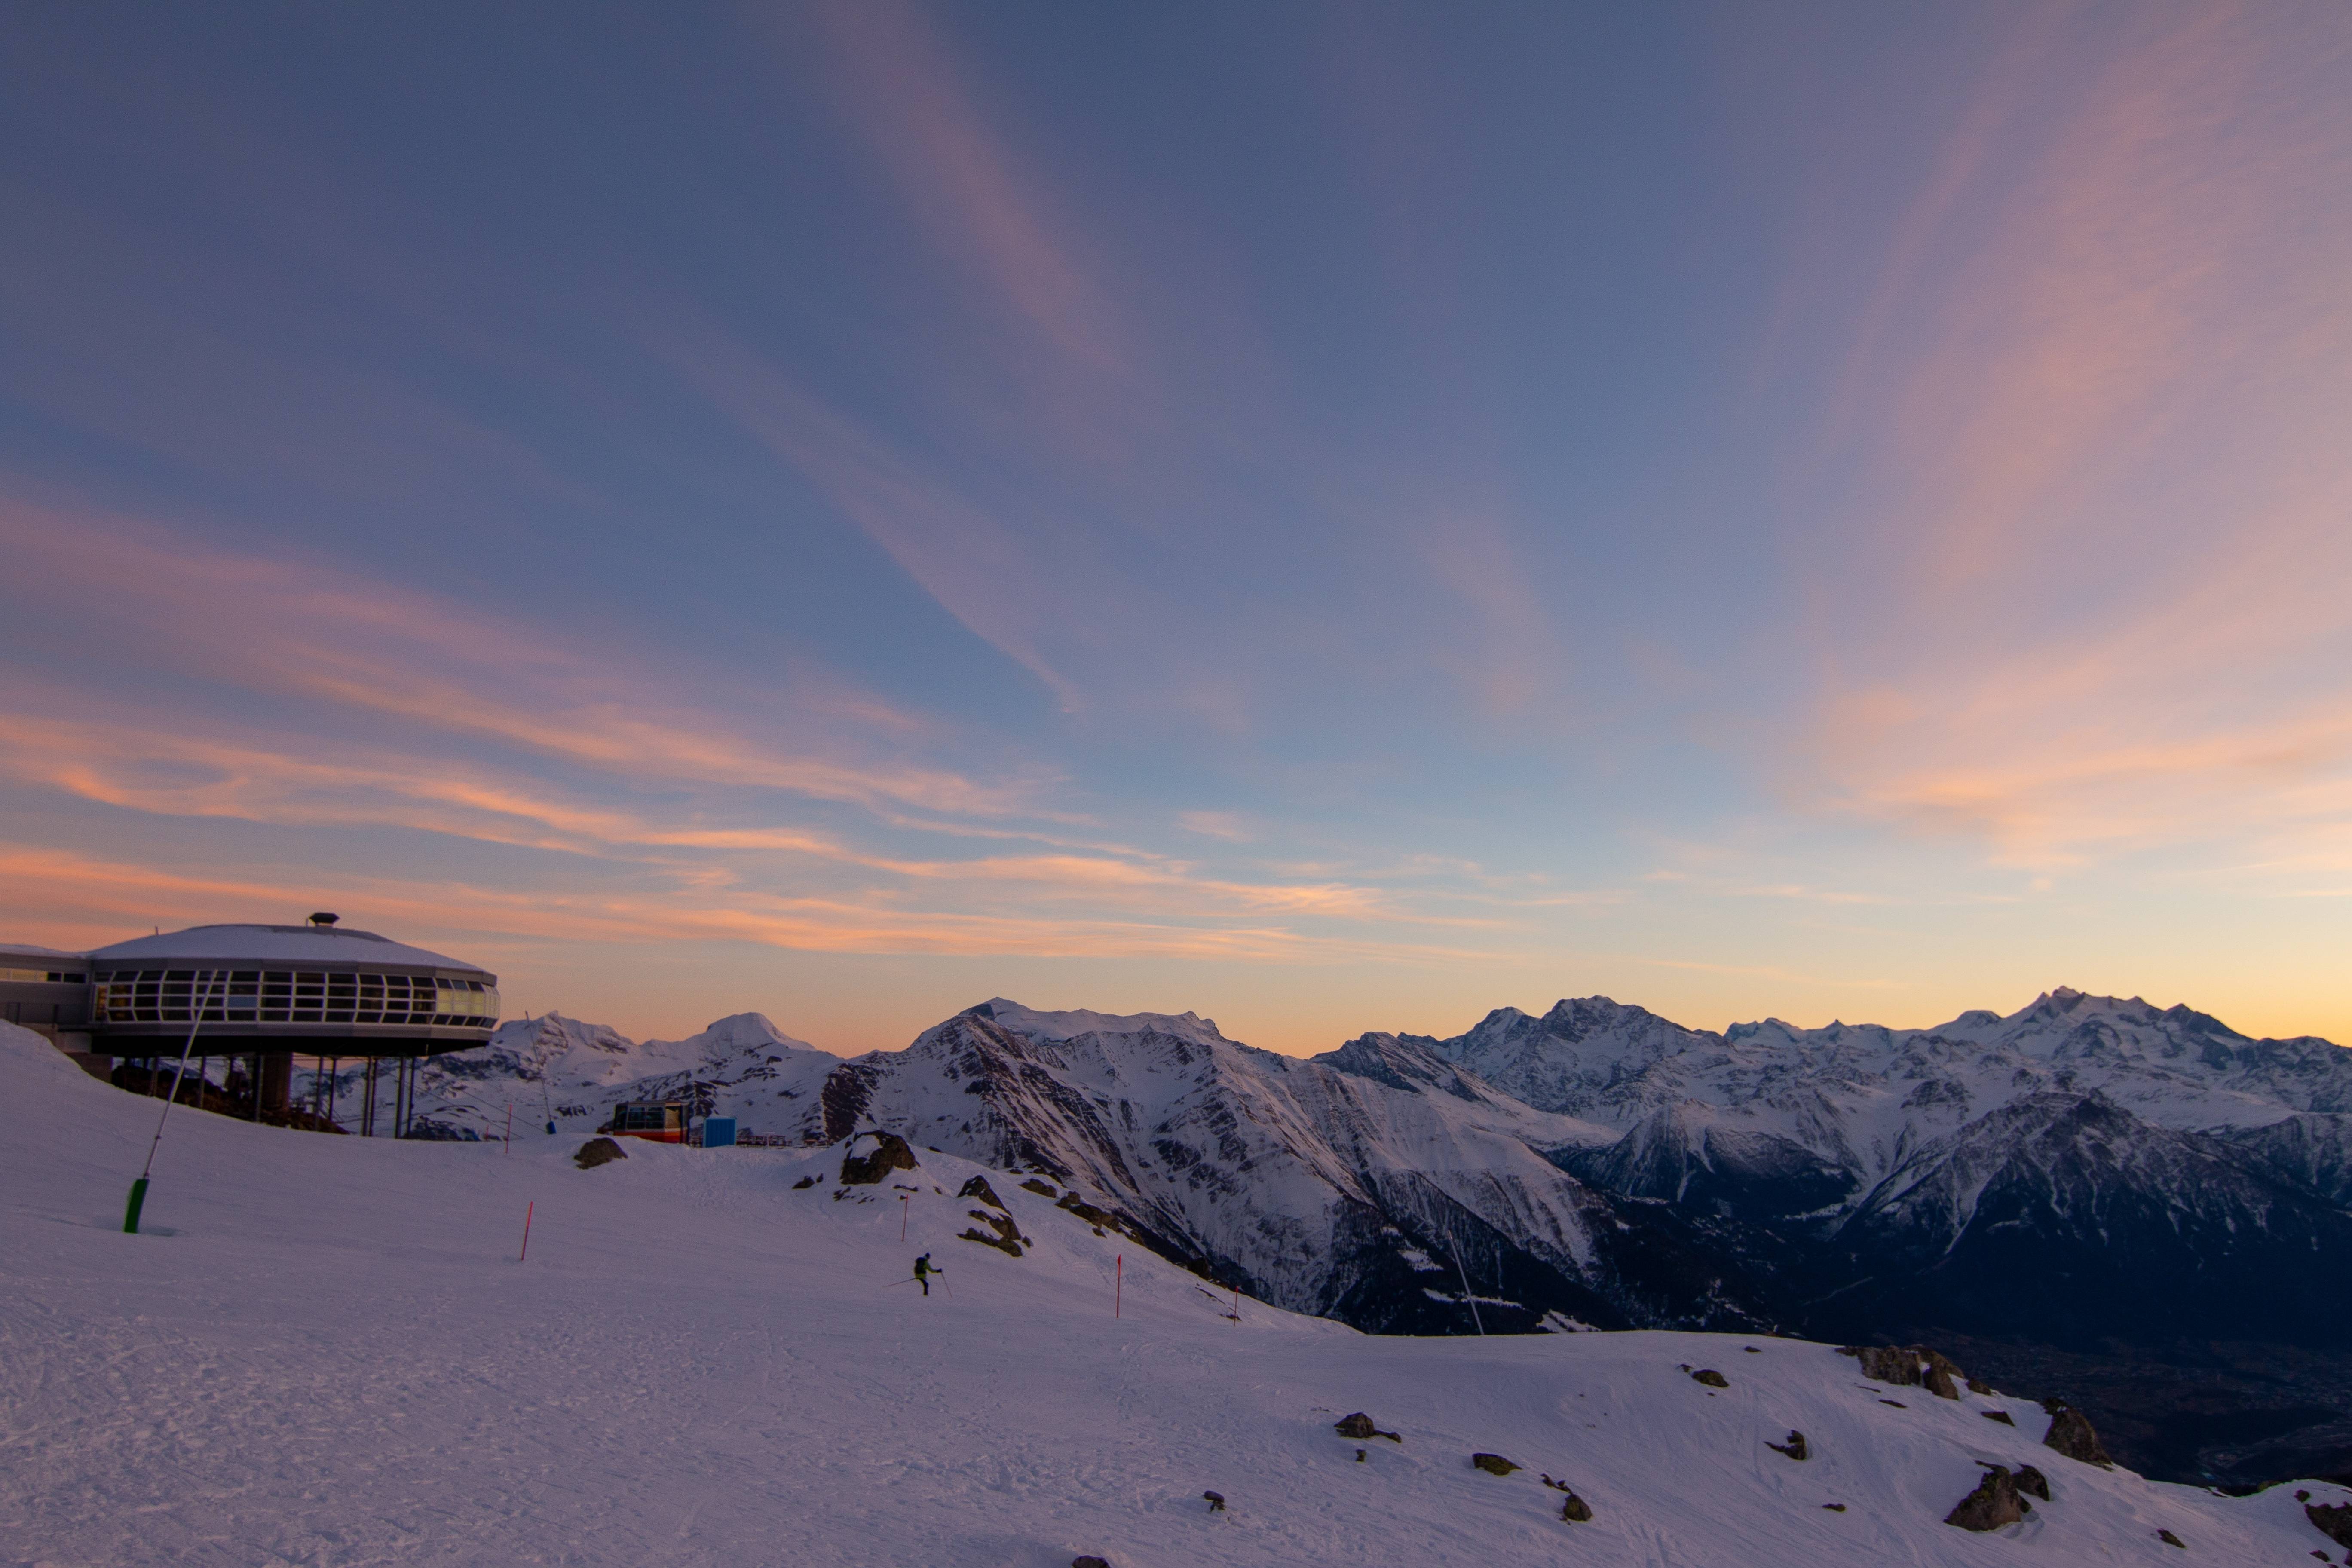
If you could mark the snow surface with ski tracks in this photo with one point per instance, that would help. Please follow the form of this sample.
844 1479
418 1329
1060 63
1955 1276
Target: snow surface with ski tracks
324 1351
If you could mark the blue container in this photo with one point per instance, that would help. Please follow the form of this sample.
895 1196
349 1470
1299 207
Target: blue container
718 1132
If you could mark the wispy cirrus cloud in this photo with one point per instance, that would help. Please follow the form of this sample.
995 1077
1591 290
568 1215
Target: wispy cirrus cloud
382 708
2093 602
351 644
83 899
898 82
993 578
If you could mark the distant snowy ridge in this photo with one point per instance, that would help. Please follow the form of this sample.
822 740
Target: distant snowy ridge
2086 1169
560 1069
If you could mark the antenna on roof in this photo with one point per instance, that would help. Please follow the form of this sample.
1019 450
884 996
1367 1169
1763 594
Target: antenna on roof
324 918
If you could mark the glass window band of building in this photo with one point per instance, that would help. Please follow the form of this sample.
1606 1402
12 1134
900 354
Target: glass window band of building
292 996
45 977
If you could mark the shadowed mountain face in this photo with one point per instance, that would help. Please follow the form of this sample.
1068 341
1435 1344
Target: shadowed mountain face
2085 1182
1382 1185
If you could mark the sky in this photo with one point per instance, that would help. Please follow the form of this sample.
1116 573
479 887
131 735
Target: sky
1331 518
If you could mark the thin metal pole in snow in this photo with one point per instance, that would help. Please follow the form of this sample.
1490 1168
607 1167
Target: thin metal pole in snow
138 1199
1467 1295
902 1216
1119 1285
526 1230
511 1127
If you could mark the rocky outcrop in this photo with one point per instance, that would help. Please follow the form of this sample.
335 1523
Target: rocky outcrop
842 1101
1001 1233
1359 1427
1492 1464
1795 1447
2033 1482
2333 1520
598 1151
2071 1434
1573 1509
1908 1366
1712 1378
890 1154
1993 1505
978 1187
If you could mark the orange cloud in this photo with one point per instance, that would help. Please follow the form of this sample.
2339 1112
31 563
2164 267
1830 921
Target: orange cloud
74 899
293 629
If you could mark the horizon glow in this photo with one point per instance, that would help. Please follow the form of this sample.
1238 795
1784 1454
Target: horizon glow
1333 520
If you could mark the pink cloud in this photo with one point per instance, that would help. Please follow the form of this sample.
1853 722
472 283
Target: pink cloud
72 898
2093 602
899 83
356 645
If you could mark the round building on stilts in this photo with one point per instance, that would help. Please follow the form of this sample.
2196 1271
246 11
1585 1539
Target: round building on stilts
264 995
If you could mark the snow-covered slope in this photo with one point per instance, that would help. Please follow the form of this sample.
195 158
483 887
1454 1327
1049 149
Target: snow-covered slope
323 1351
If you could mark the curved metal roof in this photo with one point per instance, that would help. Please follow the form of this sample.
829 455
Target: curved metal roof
260 944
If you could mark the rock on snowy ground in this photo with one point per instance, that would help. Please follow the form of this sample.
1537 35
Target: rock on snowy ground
325 1352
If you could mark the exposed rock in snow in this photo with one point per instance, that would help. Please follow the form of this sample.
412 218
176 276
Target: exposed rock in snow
2332 1520
867 1169
1993 1503
598 1151
2071 1434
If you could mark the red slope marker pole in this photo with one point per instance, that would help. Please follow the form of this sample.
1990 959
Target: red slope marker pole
1119 1285
526 1229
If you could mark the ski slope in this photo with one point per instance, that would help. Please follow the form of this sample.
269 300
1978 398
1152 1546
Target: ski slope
325 1352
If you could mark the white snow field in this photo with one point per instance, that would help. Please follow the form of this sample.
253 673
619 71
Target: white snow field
324 1351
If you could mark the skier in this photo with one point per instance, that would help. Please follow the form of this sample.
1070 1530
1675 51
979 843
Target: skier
924 1270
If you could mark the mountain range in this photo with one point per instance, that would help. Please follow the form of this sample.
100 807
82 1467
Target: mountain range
2084 1179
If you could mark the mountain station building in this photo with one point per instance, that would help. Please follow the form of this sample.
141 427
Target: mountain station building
259 996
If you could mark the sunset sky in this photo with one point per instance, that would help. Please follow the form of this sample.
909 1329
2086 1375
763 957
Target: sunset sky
1331 518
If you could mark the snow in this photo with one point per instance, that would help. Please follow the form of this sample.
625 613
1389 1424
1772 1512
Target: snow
1865 1099
275 944
324 1351
560 1069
